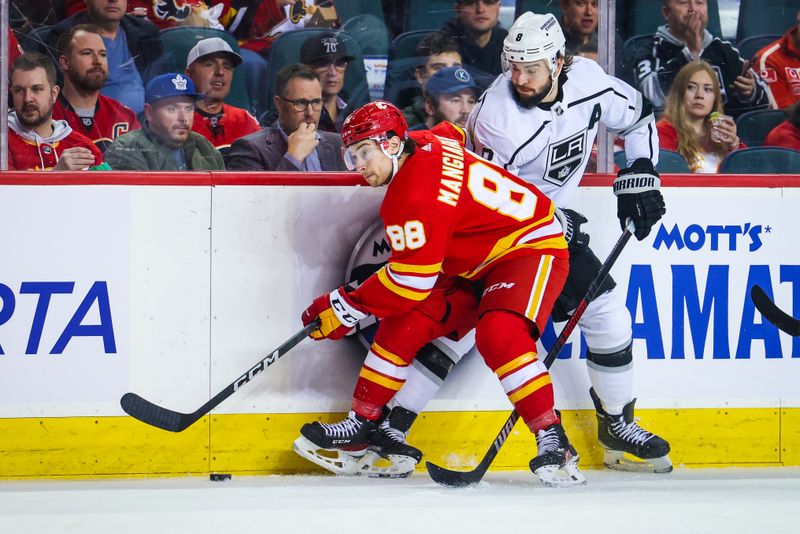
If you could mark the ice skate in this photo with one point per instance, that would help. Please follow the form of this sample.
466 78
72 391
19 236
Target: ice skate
393 456
556 461
621 434
338 447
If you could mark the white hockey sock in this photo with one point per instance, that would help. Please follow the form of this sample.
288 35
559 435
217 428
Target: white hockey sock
613 386
420 387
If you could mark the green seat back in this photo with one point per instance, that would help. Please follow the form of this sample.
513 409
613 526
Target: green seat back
762 160
668 162
347 9
428 14
750 45
538 6
179 40
762 17
753 126
371 34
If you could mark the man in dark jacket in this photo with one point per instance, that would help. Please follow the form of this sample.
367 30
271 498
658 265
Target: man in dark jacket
479 38
166 142
683 39
294 142
128 39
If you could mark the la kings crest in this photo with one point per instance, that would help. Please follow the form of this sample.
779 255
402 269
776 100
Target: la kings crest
564 158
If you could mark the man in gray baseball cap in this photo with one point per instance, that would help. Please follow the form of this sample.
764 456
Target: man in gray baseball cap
449 95
166 141
210 65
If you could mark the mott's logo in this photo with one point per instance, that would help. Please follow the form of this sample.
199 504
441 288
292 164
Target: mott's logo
95 301
715 237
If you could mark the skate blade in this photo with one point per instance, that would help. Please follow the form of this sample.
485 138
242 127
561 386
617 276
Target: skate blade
559 477
339 462
618 461
391 466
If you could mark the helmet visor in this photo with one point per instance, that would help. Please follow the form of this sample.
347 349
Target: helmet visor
359 154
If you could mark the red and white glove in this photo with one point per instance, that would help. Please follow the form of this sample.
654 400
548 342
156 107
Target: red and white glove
337 314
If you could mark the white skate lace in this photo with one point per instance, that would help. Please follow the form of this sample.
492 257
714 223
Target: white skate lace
547 441
393 433
630 432
344 428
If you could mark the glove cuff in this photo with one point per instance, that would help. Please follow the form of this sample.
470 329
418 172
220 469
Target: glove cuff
634 183
344 310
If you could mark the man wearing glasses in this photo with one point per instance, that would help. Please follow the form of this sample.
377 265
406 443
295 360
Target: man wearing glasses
327 55
294 142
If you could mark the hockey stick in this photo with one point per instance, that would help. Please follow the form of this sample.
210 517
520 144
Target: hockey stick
773 313
166 419
457 479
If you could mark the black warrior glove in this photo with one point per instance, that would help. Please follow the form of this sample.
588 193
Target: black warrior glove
638 197
571 222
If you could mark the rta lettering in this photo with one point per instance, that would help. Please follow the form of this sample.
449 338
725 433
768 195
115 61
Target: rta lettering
44 292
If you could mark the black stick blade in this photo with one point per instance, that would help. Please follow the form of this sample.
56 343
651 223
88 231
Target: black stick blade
455 479
773 314
152 414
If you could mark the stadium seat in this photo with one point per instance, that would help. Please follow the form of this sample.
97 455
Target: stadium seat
636 17
404 45
762 17
370 32
35 41
401 86
286 51
753 126
762 160
428 14
629 53
750 45
347 9
179 40
668 162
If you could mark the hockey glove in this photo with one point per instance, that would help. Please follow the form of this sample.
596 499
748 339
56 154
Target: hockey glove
638 197
337 313
571 222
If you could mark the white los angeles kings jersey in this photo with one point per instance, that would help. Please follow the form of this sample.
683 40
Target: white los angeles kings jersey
549 145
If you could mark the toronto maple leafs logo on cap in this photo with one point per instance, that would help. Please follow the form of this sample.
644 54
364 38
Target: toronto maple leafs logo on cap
179 82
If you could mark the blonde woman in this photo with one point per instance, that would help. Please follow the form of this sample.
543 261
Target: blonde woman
693 124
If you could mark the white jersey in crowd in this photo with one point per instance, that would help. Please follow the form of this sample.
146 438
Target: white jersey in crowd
549 145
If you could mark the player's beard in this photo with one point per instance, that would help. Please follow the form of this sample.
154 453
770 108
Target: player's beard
92 80
529 102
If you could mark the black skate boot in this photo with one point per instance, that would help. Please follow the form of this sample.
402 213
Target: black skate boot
394 457
556 461
620 434
344 443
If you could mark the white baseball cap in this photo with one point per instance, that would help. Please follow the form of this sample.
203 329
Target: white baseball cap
212 45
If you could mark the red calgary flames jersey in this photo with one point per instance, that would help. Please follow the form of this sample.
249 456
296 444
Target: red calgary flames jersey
448 210
111 119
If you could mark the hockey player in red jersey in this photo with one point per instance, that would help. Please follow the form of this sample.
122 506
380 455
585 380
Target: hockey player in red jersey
472 246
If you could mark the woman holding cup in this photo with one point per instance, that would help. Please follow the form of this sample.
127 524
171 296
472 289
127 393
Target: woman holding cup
693 124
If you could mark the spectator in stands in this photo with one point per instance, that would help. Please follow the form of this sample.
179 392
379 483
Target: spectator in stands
478 35
129 41
450 95
688 125
579 22
787 133
327 54
83 61
210 64
36 142
779 65
436 51
684 38
166 141
162 13
294 142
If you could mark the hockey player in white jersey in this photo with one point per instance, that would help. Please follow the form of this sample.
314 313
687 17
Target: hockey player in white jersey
539 120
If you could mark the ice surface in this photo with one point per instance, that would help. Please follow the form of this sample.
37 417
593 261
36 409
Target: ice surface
708 501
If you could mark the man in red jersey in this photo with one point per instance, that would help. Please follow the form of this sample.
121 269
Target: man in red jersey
36 142
472 246
82 58
778 64
210 65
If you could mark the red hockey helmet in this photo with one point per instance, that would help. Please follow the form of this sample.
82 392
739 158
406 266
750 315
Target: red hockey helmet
373 121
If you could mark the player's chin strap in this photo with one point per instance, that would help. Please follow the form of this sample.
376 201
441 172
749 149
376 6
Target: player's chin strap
384 145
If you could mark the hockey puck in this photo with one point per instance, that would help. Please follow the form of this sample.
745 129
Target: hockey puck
219 477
